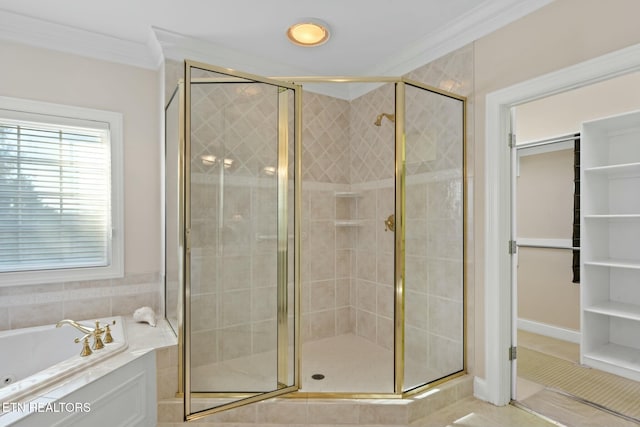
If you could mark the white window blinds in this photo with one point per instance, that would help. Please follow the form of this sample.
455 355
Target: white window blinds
55 195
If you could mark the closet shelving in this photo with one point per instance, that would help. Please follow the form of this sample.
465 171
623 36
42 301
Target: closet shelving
610 244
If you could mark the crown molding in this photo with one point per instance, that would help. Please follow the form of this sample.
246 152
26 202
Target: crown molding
484 19
478 22
36 32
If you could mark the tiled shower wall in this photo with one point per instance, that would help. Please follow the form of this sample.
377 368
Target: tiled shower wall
435 240
452 72
347 270
233 222
326 252
347 193
372 178
434 236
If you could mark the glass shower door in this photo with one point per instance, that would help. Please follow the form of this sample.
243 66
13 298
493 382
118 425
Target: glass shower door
434 217
240 302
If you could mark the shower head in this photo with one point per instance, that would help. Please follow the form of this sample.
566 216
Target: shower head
389 116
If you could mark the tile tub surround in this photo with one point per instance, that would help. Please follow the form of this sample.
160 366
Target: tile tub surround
35 305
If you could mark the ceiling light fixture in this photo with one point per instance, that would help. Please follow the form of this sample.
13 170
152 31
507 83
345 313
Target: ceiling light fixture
308 32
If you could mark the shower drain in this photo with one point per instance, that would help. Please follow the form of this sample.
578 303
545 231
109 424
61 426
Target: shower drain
317 377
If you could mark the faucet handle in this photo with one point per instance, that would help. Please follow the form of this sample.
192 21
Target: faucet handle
98 329
98 344
86 350
107 335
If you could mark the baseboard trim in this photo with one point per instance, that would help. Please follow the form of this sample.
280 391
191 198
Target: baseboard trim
480 389
549 330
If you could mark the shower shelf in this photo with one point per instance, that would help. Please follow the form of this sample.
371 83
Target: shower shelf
347 194
348 223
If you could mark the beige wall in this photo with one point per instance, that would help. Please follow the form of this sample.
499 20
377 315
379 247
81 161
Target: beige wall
545 196
561 34
564 113
544 208
50 76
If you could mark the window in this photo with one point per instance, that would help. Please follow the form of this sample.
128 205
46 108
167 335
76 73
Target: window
60 193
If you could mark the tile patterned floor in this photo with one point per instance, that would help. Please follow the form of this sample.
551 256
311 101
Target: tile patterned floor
471 412
565 410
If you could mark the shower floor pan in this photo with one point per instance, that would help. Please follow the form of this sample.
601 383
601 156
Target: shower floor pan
348 363
343 364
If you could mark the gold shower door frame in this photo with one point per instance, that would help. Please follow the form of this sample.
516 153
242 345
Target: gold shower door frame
295 83
400 252
283 307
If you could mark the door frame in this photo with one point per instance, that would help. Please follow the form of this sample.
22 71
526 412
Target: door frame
495 387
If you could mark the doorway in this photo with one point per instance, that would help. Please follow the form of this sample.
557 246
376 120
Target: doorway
551 371
496 387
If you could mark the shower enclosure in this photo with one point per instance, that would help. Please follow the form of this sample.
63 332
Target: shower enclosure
311 257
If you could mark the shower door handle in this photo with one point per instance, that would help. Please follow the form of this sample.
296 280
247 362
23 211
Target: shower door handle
390 223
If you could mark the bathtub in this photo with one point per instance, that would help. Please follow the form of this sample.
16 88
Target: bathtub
55 386
33 358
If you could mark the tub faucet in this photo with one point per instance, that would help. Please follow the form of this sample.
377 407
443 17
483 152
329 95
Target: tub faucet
78 326
96 333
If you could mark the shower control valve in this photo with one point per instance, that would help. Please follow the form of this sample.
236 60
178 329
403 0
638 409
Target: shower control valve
390 223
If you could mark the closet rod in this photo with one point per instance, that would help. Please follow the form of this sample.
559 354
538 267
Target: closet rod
571 137
572 248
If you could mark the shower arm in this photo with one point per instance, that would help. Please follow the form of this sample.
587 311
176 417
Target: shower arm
391 117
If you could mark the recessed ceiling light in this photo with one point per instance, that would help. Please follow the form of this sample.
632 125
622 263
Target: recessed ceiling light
308 32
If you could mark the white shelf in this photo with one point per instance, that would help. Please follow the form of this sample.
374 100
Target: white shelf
616 309
615 263
617 356
347 194
616 171
614 217
348 223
